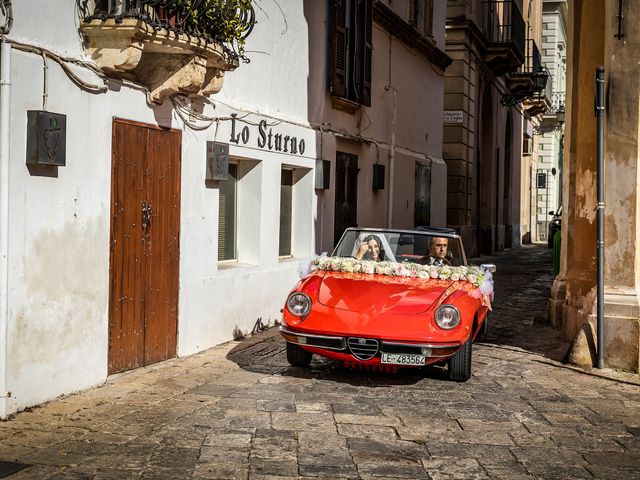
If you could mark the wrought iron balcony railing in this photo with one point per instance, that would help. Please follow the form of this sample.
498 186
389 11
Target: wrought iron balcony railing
227 22
557 100
532 60
504 25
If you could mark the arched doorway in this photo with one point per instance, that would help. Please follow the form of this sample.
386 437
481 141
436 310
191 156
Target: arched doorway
506 191
486 180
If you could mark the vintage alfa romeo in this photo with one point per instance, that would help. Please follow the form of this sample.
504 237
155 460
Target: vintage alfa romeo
390 298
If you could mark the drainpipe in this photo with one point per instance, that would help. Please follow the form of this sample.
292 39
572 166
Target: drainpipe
599 111
5 91
392 154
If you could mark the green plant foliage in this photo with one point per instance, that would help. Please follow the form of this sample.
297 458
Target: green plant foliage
226 21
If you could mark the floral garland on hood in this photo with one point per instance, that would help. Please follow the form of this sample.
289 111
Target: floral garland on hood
476 276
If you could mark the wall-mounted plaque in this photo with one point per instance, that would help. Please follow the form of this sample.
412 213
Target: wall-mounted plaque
217 161
46 138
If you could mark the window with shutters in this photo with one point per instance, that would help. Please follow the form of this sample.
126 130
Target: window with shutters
351 37
421 16
286 211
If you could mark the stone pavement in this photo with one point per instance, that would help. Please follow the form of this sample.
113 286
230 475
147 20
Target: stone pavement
239 411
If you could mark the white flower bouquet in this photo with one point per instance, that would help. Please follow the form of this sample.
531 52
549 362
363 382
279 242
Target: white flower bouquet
475 276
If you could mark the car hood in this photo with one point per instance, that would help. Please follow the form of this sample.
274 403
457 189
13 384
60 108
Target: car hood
377 294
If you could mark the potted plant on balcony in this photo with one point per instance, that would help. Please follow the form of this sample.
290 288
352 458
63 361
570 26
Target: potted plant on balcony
225 21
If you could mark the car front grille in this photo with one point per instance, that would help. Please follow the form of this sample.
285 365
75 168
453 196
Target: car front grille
363 348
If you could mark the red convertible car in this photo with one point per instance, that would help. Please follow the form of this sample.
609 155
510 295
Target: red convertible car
390 298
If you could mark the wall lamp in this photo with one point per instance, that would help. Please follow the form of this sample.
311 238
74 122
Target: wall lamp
537 84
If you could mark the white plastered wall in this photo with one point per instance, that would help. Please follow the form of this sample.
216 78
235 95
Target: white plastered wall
59 222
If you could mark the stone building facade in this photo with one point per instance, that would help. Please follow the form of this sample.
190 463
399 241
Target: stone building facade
379 144
491 44
603 33
127 234
550 130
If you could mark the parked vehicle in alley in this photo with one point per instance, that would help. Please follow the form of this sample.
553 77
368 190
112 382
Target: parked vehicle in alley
554 225
386 299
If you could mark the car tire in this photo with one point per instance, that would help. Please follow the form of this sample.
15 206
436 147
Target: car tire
459 365
298 357
484 330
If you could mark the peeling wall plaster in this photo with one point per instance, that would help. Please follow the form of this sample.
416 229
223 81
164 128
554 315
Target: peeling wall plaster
586 195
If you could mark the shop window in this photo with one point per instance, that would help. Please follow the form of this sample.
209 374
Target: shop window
351 47
240 213
286 211
227 215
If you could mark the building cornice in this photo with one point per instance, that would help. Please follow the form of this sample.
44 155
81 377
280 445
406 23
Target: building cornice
469 26
412 38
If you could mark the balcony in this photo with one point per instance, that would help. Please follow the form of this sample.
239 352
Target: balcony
504 29
530 84
558 100
169 46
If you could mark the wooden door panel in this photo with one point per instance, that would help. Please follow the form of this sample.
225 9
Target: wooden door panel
126 320
163 252
144 260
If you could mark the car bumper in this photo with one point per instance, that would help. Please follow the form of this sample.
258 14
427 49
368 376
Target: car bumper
340 347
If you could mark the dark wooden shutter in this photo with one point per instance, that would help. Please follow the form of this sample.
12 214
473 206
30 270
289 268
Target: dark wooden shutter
367 51
428 18
339 48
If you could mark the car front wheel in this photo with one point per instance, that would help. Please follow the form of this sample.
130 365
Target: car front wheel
297 356
460 363
484 330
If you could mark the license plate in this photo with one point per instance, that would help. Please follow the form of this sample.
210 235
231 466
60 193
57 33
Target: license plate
402 359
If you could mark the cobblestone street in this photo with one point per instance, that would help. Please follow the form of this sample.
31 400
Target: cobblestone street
240 411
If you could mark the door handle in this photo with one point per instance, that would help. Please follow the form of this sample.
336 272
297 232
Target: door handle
147 214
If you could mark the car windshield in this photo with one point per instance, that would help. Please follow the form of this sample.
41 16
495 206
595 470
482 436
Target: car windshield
401 246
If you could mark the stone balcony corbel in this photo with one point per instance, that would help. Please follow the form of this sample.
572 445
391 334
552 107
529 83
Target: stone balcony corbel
164 61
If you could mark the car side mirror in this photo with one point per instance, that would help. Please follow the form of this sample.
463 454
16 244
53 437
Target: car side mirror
489 267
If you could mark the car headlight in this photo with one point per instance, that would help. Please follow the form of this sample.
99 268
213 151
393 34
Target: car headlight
447 317
299 304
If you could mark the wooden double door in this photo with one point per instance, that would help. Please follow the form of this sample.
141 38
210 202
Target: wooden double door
144 247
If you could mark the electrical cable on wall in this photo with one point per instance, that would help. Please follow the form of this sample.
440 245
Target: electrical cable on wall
7 10
64 64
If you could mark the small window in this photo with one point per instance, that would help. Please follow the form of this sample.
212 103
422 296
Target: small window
527 144
286 211
542 180
227 213
421 16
